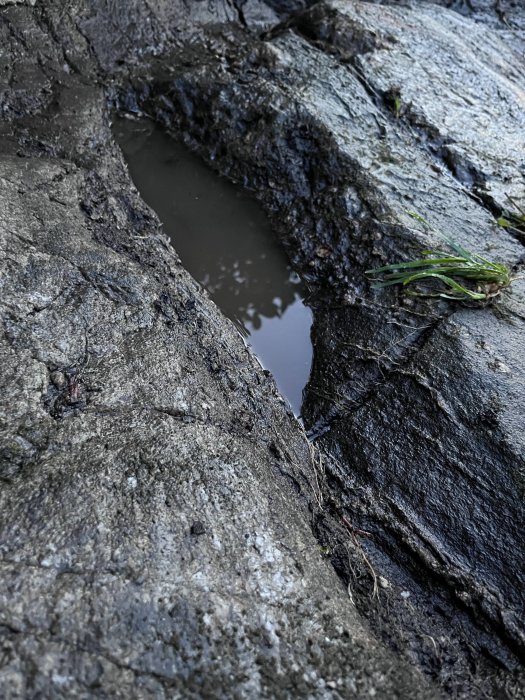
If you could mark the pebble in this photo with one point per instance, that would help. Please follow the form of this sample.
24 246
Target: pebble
58 378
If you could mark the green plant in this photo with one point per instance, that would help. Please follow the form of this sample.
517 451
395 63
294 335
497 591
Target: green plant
397 106
439 268
512 221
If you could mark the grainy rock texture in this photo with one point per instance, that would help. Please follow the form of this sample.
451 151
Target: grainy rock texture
155 542
157 497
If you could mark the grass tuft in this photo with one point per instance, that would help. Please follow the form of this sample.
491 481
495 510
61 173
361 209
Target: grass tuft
512 221
444 274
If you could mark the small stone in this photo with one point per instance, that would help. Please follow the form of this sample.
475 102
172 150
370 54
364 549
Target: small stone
322 252
197 528
58 378
383 582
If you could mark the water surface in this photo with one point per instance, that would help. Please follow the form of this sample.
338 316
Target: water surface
225 241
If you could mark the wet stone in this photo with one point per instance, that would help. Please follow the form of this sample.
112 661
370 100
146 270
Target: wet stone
58 378
197 528
163 422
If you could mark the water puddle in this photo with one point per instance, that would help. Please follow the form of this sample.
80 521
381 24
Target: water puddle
225 241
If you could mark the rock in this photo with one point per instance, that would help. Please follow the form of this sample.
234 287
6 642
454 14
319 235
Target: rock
474 126
420 431
110 465
152 549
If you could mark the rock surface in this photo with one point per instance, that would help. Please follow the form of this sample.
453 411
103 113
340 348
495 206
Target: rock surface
155 529
157 496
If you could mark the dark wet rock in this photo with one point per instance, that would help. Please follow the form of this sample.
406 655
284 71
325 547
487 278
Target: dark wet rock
152 544
140 28
460 90
157 496
405 395
119 444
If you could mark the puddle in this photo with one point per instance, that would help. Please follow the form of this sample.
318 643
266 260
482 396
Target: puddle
225 241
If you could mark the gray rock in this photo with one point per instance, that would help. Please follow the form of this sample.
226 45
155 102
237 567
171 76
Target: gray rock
120 440
460 90
417 405
157 512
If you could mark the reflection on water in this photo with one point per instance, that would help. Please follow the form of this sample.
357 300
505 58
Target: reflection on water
225 241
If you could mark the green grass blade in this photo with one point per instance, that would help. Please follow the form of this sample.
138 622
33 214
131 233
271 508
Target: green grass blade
415 263
446 280
389 283
457 248
442 268
418 217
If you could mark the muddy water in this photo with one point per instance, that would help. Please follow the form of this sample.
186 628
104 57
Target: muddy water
225 241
